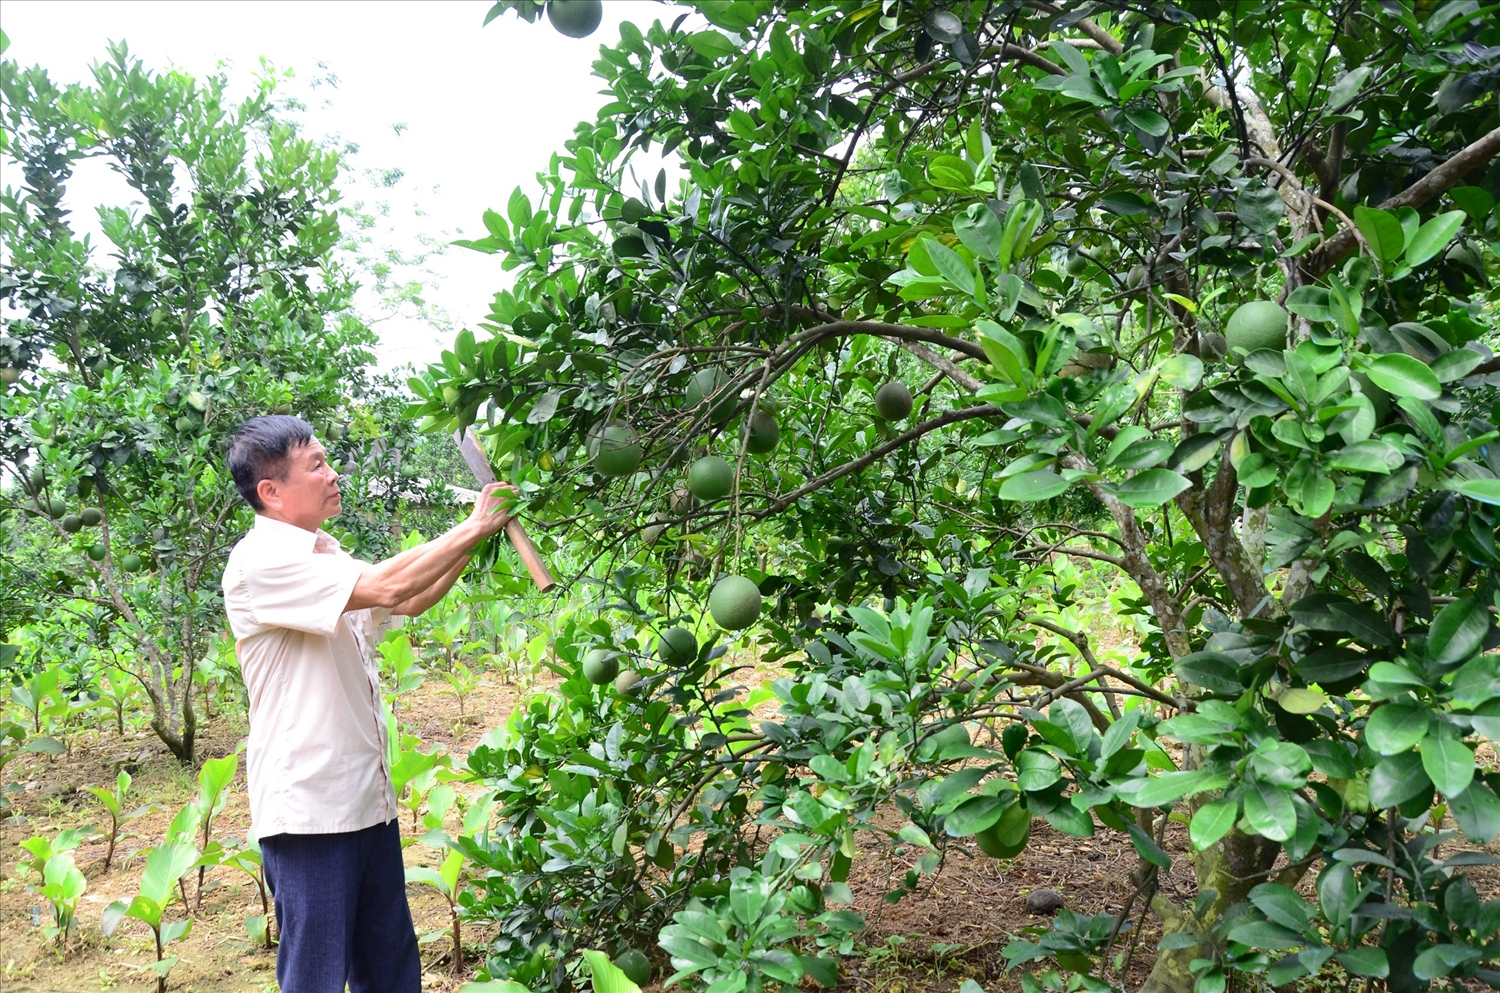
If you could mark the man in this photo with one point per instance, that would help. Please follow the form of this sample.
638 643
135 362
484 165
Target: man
304 615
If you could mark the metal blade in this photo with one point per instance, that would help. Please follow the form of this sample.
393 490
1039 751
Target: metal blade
479 463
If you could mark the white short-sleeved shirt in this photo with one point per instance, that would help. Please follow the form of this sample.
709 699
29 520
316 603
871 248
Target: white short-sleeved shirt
316 760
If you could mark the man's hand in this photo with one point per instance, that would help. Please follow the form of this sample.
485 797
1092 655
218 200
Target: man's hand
493 509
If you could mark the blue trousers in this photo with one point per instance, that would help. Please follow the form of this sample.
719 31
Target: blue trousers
342 913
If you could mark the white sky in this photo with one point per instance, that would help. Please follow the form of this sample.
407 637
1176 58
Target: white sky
484 107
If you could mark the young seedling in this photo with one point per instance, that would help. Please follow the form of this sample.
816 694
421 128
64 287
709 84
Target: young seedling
166 864
462 681
248 859
42 849
213 792
116 691
62 885
114 802
446 880
399 664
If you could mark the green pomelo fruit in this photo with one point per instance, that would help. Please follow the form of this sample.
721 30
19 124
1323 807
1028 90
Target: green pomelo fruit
1007 837
635 965
72 524
710 478
131 563
619 451
712 383
677 647
1379 399
97 552
38 478
56 507
932 748
893 401
1077 265
91 515
1136 277
575 18
734 603
626 682
765 433
1256 325
601 665
185 424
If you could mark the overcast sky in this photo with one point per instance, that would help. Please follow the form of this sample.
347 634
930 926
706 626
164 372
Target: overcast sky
483 108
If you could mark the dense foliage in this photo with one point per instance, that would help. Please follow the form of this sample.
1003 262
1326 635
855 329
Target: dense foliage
220 298
1044 222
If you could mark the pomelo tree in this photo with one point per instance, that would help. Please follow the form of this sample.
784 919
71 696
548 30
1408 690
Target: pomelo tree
128 365
1197 293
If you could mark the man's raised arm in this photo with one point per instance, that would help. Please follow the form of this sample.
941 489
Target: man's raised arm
400 579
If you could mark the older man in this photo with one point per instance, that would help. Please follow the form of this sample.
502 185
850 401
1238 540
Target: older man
304 615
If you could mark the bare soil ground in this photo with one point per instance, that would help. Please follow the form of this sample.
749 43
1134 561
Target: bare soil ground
953 928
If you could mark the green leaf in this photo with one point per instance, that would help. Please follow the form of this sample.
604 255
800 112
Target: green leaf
1264 934
950 265
1212 822
1447 761
1151 488
1171 786
606 975
1382 231
1195 452
1147 848
1434 236
1458 631
1039 484
1477 811
1148 121
1398 778
1483 490
1213 671
1365 962
1403 376
164 866
979 230
975 814
1298 700
1270 812
1397 727
1347 87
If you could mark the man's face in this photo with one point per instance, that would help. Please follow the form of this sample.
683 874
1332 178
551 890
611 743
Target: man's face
309 495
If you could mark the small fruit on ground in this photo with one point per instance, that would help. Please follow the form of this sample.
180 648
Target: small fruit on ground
97 551
575 18
72 524
131 563
677 647
712 383
635 965
893 401
626 682
618 451
91 516
1256 325
710 478
765 433
56 507
601 665
734 603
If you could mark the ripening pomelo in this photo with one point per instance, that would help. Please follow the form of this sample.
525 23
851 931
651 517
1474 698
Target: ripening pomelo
575 18
893 401
601 665
734 603
1256 325
677 647
710 478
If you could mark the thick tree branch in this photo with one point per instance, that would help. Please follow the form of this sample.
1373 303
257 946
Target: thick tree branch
1434 184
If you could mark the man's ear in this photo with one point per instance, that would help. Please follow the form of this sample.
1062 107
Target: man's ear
270 495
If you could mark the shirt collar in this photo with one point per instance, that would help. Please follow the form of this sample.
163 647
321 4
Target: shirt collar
292 536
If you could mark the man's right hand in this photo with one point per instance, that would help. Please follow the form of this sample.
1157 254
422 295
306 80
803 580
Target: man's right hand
493 509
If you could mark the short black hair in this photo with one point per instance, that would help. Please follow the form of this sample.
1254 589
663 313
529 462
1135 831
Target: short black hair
261 449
